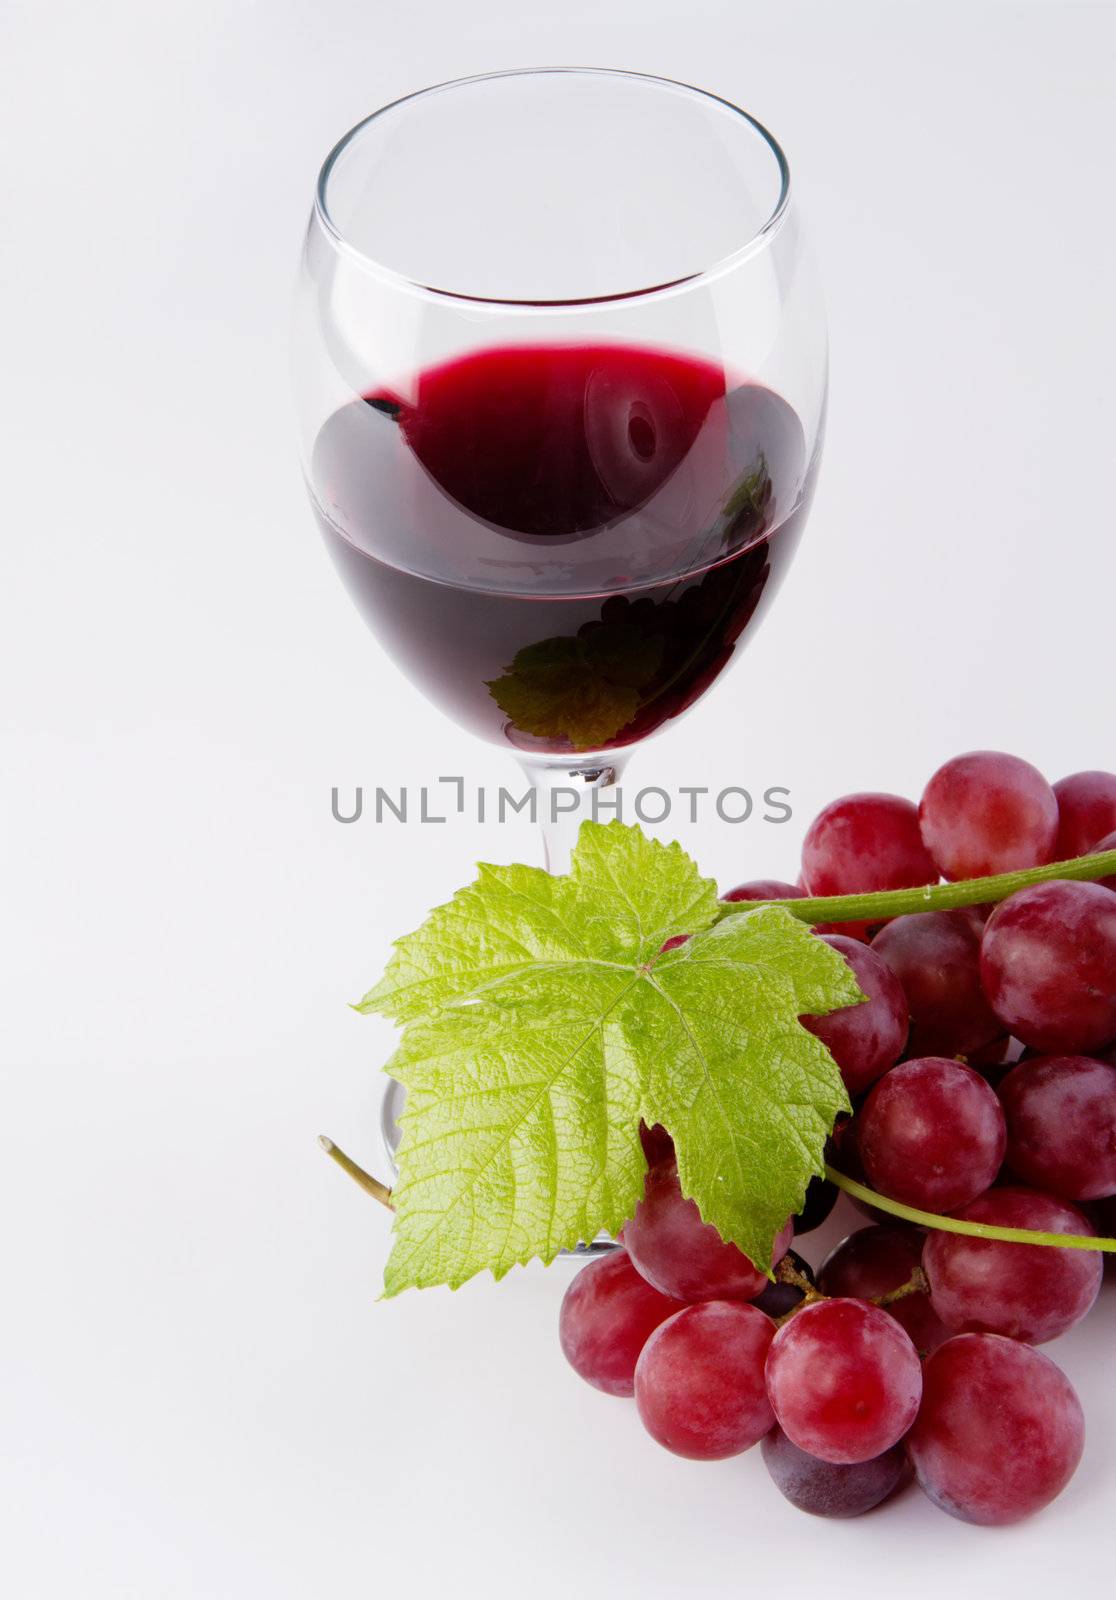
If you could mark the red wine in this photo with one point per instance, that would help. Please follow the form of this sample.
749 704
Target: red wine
563 546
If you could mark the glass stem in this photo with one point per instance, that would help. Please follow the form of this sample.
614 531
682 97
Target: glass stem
567 792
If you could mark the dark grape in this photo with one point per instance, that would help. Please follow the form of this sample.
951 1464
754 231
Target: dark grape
1103 1216
1061 1119
821 1197
779 1298
845 1157
1048 966
683 1256
987 812
931 1134
1086 812
1000 1430
993 1060
827 1488
608 1313
936 957
844 1380
867 1038
873 1262
699 1381
1030 1292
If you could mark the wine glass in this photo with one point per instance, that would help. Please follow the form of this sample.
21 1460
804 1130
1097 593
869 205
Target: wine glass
560 364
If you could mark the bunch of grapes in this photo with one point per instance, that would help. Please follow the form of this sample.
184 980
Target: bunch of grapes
982 1072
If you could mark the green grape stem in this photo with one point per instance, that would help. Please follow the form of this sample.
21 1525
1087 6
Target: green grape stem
975 1230
379 1191
889 903
785 1273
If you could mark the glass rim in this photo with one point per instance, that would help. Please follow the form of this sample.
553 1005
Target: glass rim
758 239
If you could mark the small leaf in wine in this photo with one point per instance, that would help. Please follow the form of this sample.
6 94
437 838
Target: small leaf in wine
583 688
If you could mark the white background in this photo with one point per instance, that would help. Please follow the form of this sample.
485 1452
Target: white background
201 1395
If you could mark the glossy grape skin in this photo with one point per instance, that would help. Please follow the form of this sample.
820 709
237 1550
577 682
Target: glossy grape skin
1061 1118
779 1298
1029 1292
681 1255
765 889
1000 1431
936 957
987 812
1086 812
1048 966
865 842
827 1489
867 1038
608 1314
699 1380
844 1380
931 1134
874 1261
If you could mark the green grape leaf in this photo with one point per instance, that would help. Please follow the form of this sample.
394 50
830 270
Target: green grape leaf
542 1021
583 688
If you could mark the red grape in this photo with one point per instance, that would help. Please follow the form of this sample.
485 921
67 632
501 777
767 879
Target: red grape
1030 1292
1061 1119
684 1256
844 1380
699 1381
829 1489
936 957
1086 812
776 889
873 1262
1048 966
931 1134
608 1313
865 842
987 812
1000 1430
867 1038
765 889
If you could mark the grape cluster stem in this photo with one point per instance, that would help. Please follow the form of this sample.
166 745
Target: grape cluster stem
888 903
785 1272
975 1230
